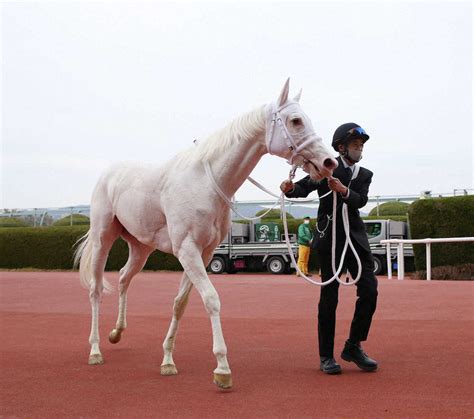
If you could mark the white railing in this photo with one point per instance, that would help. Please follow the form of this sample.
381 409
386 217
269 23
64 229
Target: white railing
427 242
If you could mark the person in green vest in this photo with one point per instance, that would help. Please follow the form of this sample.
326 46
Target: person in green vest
305 237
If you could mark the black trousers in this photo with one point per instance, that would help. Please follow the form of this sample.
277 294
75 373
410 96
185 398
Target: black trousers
366 298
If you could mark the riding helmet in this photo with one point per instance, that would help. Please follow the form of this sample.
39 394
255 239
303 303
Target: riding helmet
343 134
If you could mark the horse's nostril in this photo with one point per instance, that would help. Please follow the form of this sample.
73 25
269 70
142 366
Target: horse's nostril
330 163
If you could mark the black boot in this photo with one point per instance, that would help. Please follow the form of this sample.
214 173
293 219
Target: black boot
353 353
329 366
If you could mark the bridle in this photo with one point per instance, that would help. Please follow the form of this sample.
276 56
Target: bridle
290 148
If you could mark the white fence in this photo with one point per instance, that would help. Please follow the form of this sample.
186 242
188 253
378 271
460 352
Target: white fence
427 242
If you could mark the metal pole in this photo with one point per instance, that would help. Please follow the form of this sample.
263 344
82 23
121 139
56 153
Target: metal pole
389 262
400 262
377 205
71 216
428 261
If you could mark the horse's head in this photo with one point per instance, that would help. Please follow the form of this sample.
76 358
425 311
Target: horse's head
290 134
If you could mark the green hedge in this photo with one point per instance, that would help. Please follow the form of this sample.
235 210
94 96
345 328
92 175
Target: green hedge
391 208
443 217
12 222
52 248
272 214
77 220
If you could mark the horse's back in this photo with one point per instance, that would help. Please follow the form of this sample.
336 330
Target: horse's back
146 198
125 179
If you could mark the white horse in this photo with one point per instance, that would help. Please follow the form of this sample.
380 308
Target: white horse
176 209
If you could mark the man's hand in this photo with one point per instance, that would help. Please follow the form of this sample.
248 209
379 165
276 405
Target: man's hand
336 185
287 186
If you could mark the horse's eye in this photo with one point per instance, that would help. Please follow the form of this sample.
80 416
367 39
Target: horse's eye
297 122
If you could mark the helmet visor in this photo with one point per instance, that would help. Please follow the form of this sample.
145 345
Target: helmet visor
357 132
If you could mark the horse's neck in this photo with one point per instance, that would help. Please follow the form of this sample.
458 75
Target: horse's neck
232 168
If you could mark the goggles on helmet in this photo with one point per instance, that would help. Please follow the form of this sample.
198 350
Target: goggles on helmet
354 132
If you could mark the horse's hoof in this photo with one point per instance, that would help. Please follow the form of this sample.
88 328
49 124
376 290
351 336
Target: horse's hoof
223 381
96 359
115 335
169 369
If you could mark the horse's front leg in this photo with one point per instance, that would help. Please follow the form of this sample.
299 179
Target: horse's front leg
192 262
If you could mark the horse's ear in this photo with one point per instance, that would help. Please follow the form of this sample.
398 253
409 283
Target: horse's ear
284 93
298 96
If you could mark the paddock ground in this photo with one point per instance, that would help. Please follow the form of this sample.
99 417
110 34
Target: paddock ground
422 336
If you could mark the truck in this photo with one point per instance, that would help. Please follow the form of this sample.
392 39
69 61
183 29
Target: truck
378 230
254 246
261 245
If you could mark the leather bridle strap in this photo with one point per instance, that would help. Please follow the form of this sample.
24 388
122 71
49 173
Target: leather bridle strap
292 147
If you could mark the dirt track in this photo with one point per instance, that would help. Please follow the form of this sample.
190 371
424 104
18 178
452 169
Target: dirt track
422 336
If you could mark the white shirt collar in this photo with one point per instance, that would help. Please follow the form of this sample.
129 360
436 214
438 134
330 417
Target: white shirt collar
347 165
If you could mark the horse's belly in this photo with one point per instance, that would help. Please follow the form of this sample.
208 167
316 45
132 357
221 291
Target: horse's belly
162 241
142 218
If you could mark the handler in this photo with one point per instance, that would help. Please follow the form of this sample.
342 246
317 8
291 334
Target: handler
352 186
305 237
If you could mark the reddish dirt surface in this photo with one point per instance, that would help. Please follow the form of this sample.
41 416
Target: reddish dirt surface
422 336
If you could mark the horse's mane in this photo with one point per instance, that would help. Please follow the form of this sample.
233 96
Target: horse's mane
242 128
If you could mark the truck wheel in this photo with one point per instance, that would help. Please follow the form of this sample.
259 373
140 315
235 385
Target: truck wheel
379 267
217 265
276 265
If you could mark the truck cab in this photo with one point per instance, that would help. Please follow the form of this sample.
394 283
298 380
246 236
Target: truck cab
378 230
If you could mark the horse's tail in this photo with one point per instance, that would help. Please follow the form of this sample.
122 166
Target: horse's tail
83 259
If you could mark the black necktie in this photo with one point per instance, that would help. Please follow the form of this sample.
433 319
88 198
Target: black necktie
349 173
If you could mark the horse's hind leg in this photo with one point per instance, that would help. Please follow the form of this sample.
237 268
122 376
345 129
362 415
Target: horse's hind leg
167 366
102 242
138 255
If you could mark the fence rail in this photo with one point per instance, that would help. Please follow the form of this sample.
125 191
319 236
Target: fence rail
427 242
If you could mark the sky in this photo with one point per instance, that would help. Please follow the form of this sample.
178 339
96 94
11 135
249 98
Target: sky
87 84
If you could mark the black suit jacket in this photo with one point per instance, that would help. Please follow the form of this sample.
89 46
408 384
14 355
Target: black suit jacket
359 189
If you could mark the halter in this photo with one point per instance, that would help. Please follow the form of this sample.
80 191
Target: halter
283 150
